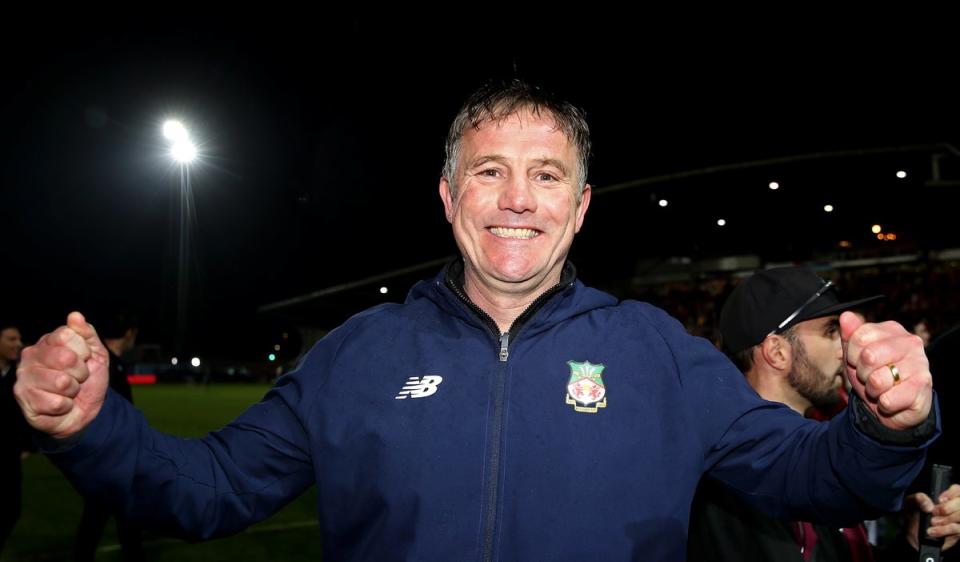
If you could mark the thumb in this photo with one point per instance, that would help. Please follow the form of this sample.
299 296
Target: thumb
849 322
920 501
79 324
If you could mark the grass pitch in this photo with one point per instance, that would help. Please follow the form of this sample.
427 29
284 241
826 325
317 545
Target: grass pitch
51 508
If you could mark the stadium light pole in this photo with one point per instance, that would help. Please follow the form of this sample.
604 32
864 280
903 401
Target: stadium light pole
183 152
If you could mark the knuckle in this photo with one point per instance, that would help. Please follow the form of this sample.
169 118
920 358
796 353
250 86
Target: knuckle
61 334
59 404
63 357
62 382
893 325
916 342
859 338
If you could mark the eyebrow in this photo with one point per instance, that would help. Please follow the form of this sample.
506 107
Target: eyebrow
833 324
552 162
481 160
501 159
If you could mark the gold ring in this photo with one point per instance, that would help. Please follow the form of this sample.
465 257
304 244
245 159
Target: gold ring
895 372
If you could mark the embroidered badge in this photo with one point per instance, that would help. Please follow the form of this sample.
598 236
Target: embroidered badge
585 391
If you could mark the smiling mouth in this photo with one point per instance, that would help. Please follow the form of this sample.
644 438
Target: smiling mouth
514 233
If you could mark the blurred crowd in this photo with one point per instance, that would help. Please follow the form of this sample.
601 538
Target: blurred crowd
921 295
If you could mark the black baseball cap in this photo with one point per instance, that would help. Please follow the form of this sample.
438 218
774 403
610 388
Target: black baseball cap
772 300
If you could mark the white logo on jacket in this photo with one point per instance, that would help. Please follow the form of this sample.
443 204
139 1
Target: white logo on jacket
419 387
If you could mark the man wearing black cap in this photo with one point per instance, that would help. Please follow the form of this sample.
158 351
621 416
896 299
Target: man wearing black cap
781 327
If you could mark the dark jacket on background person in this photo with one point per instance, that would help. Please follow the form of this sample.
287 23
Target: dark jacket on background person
723 528
94 518
432 436
15 439
118 377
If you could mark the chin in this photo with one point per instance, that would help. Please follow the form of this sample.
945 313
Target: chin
512 276
513 271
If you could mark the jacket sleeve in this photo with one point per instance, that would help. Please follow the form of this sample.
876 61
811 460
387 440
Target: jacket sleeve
816 471
780 462
195 488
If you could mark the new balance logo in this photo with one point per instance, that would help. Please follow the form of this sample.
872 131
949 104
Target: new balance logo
419 387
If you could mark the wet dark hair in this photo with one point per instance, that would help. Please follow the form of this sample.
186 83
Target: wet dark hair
495 101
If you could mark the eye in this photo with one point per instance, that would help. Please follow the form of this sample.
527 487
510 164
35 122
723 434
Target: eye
544 176
489 172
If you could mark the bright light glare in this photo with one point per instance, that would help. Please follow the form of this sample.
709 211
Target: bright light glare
721 222
774 185
195 361
173 360
876 229
663 202
901 174
828 208
383 290
175 131
183 152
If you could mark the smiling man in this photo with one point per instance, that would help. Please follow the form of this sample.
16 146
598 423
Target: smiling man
515 201
504 411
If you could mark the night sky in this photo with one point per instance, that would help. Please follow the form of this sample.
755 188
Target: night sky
321 145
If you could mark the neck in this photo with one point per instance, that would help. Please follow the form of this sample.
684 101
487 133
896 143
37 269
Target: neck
504 309
505 304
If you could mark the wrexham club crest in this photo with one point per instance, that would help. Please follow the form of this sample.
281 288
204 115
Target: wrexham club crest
585 391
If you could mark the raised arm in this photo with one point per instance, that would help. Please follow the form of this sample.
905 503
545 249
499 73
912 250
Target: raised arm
196 488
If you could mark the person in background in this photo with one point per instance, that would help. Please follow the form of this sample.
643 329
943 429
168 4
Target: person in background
781 327
921 329
14 432
119 332
945 361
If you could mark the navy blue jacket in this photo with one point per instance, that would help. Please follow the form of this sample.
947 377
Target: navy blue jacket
495 460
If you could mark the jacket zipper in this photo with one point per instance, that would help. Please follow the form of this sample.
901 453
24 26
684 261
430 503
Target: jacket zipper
496 431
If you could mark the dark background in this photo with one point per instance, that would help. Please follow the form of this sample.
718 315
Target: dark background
321 144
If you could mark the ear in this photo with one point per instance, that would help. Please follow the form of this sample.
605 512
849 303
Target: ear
777 352
447 199
582 207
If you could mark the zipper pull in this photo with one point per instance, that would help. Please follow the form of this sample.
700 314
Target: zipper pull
504 344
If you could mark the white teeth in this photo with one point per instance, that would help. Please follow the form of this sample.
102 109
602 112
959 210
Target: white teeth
521 233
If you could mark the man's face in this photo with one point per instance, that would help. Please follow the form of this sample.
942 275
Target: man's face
516 209
817 371
10 344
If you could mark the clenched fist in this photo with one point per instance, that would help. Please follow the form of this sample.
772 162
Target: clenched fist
63 379
888 370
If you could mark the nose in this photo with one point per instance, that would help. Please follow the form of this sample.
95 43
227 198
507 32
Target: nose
518 196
